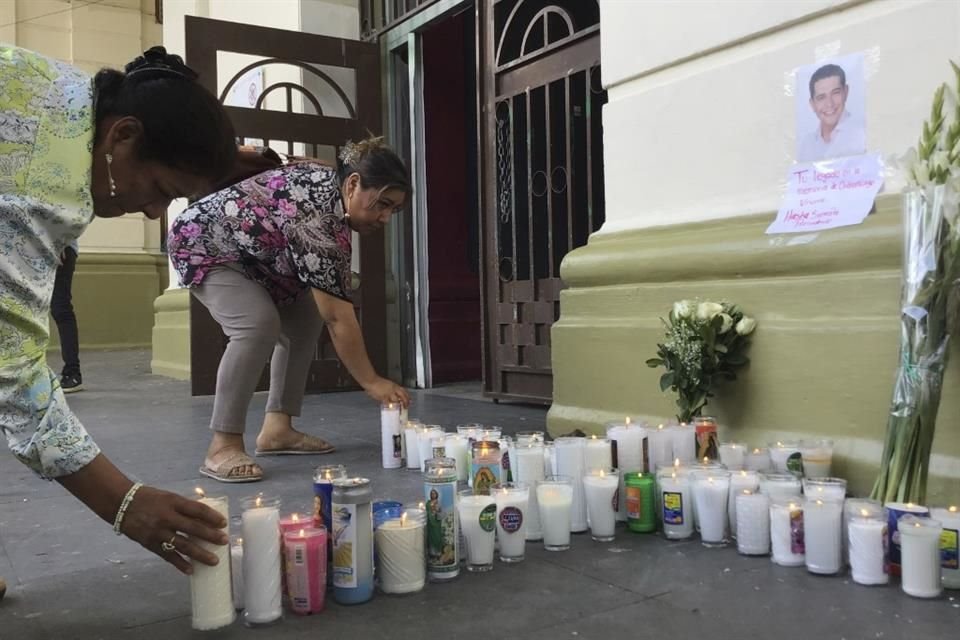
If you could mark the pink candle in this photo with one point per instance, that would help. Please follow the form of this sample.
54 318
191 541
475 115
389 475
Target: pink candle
290 523
293 522
305 552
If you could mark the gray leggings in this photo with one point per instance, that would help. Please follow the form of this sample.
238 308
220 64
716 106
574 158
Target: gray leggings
256 326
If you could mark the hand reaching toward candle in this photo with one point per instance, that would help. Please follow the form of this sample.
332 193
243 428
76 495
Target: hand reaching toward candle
155 517
383 391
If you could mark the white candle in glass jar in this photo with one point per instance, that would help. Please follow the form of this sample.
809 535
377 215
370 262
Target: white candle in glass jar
684 439
822 531
753 523
600 489
478 517
391 436
555 499
710 493
825 488
659 447
627 439
785 457
676 499
856 507
786 532
780 485
425 442
261 560
411 436
920 556
457 447
550 458
530 470
739 482
401 556
597 454
211 589
866 531
949 545
816 457
757 459
733 455
512 500
570 464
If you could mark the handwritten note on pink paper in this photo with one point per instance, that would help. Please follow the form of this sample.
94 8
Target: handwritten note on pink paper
829 194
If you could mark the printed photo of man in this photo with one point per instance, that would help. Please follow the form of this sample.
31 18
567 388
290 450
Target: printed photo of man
838 133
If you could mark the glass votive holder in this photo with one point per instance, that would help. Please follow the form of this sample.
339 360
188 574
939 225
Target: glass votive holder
711 489
600 491
780 485
757 459
513 503
262 572
785 457
478 517
866 529
816 457
555 500
786 531
818 488
733 455
400 551
530 436
920 556
822 534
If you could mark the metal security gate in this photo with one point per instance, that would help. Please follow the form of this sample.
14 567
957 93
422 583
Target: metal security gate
336 98
543 177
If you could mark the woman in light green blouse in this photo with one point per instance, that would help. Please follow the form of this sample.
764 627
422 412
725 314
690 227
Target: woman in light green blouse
72 147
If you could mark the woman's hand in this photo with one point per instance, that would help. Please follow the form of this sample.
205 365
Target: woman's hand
155 517
383 391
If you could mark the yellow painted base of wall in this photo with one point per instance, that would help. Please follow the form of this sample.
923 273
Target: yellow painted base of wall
113 296
171 335
823 358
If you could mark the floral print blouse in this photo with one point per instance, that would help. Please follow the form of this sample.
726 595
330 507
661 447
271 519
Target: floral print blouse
46 139
285 228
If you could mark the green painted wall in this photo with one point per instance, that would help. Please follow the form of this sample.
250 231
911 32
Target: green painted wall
113 296
823 358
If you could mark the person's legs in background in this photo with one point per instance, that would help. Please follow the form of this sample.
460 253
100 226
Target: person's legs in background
61 308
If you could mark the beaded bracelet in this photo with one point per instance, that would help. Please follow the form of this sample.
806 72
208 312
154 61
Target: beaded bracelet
127 499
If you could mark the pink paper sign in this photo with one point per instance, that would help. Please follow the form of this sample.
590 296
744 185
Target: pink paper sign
829 194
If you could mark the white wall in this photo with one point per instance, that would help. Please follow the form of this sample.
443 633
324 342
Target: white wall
700 121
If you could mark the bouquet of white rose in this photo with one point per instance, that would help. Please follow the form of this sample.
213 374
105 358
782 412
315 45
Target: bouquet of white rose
928 312
705 343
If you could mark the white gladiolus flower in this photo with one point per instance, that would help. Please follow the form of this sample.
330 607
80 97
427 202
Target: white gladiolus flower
940 160
746 326
683 309
921 173
727 323
708 310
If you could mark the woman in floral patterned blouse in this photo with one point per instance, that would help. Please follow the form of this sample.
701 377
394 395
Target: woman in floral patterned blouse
270 258
72 148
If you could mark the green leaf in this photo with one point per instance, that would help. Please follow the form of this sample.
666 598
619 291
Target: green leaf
654 362
666 380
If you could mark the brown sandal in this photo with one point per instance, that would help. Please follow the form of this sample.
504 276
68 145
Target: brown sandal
229 469
308 446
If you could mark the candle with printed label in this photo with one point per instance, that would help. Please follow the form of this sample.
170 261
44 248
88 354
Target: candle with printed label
822 531
261 561
352 540
866 530
506 459
555 499
478 521
949 545
785 457
486 469
739 481
895 511
786 532
210 587
733 455
443 530
570 463
708 442
323 479
400 552
600 493
512 500
305 552
753 523
530 470
676 498
920 556
391 436
641 506
627 447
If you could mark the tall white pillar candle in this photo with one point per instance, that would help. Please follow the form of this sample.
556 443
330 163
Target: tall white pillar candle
856 507
513 506
478 521
786 532
261 560
711 491
733 455
391 436
753 523
425 440
211 589
555 499
822 531
570 463
659 447
236 572
627 446
816 457
785 457
920 556
684 437
739 481
780 485
411 436
597 454
676 498
600 489
457 447
757 459
866 531
401 566
530 471
949 545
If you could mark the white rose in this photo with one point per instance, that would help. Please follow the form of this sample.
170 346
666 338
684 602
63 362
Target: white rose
727 323
746 326
683 309
708 310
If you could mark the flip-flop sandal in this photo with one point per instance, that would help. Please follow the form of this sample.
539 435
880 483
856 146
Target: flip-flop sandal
224 472
308 446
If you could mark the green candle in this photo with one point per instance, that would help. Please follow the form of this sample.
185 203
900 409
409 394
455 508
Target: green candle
639 500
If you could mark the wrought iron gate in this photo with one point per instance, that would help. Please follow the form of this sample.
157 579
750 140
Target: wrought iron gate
543 177
331 70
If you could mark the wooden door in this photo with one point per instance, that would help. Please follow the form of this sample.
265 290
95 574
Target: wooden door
340 91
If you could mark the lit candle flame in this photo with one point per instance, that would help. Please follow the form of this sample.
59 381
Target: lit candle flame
743 473
779 444
747 492
864 513
676 462
710 479
706 459
594 436
199 492
673 475
793 506
659 427
259 501
601 473
916 524
909 505
295 518
952 509
421 505
239 542
390 406
626 421
303 534
756 450
819 503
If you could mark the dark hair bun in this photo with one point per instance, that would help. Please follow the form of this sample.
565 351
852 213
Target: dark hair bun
156 60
